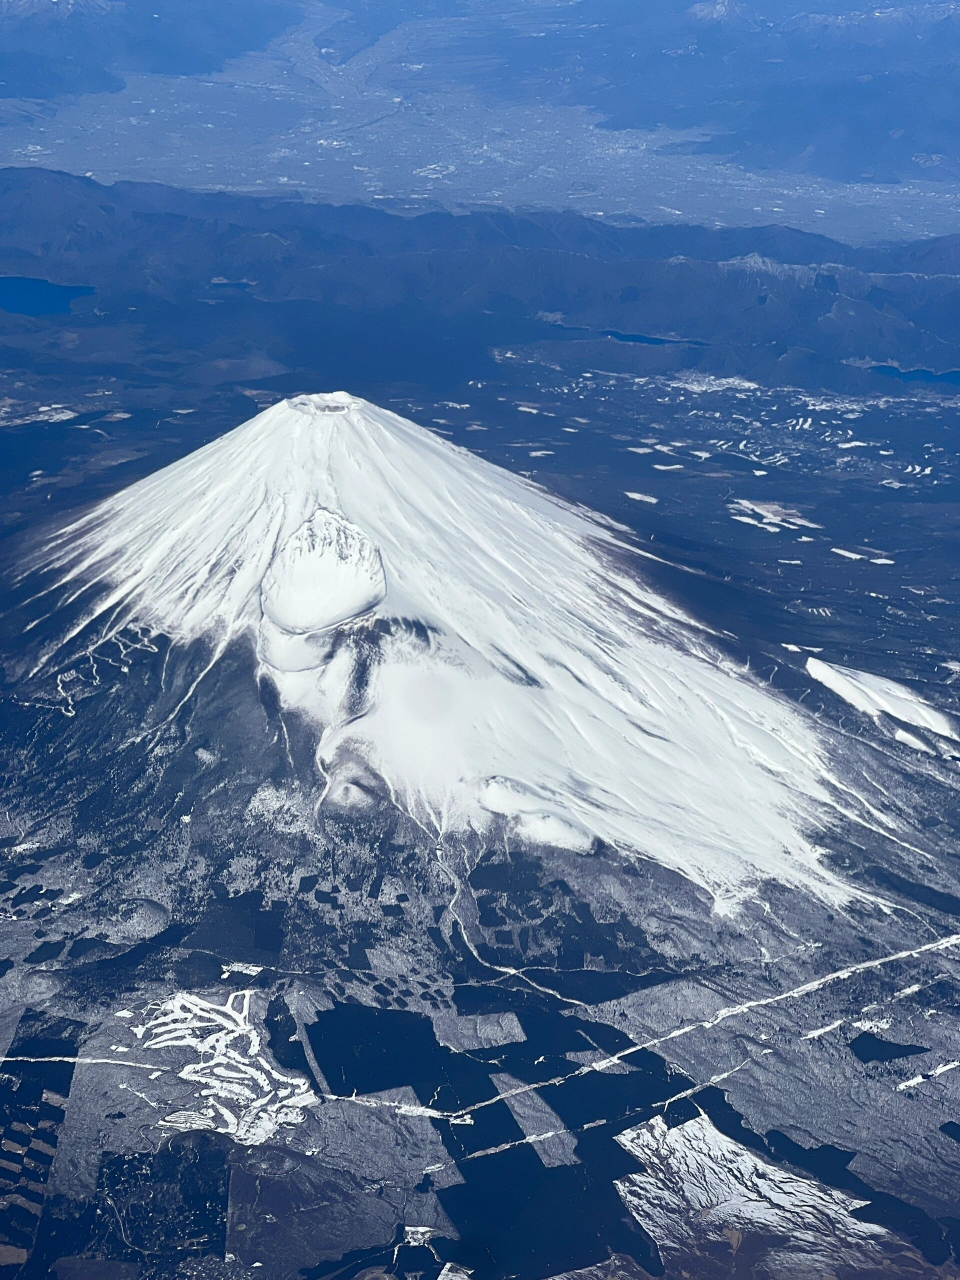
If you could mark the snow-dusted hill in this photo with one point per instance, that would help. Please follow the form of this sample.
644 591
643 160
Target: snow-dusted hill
484 653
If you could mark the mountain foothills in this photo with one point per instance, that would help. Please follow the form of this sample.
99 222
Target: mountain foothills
766 303
88 46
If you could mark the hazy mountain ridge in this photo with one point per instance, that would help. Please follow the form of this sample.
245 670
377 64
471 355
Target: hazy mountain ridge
767 303
88 46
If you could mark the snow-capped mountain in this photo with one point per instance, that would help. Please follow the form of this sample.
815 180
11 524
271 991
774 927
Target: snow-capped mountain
485 654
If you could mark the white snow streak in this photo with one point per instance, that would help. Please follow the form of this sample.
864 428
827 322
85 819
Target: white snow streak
877 695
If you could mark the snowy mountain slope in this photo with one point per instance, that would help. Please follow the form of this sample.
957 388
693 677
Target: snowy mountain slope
701 1188
483 652
879 697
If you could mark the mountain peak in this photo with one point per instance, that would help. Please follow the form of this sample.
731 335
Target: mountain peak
321 403
486 651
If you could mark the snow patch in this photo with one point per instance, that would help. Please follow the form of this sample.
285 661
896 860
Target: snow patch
699 1187
239 1090
774 516
877 696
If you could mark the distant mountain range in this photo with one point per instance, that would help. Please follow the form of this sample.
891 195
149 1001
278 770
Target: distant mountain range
768 303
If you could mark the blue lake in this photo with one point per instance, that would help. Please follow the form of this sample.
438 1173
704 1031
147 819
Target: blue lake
25 296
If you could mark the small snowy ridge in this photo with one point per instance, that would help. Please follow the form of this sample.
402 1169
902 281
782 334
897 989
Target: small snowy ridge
847 555
822 1031
935 1074
773 515
486 651
877 696
699 1187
